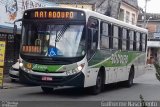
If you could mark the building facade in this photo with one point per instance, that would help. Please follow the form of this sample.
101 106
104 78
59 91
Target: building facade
152 24
124 10
153 43
129 11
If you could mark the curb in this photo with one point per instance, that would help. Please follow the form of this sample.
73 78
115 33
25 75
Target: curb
11 85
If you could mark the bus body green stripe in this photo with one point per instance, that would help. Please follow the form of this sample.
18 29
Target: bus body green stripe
107 62
43 68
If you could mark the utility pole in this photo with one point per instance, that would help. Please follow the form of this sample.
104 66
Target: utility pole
144 24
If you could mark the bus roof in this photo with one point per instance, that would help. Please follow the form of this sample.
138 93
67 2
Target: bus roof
100 16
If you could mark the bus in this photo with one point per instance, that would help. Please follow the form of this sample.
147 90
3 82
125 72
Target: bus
81 48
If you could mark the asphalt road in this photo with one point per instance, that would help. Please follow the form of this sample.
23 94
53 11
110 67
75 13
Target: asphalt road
146 85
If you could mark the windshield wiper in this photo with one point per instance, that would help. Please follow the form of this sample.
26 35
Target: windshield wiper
62 31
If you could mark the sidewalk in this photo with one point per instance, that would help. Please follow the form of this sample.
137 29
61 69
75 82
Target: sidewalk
7 84
149 77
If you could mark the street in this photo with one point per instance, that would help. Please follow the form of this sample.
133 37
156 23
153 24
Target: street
146 85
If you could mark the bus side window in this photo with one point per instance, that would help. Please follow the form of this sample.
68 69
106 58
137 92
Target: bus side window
134 41
131 39
140 41
104 41
128 40
124 37
120 38
115 37
92 36
143 42
137 41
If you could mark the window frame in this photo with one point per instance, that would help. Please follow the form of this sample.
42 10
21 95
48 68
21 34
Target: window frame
106 35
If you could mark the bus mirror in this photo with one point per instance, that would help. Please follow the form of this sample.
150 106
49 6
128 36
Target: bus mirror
15 26
15 30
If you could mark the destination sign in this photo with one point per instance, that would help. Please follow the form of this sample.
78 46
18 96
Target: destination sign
54 14
31 49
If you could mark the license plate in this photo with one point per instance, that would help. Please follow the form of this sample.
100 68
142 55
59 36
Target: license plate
47 79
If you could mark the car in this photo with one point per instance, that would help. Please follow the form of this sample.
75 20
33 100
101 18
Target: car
14 72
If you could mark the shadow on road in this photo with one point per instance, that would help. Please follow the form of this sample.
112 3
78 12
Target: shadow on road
78 92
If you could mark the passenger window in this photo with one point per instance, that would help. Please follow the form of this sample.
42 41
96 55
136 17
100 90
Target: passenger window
124 35
131 35
128 40
134 42
104 44
115 37
140 42
143 42
120 38
92 36
137 41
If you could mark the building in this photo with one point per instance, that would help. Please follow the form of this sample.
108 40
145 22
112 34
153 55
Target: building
129 11
152 24
125 10
153 43
87 4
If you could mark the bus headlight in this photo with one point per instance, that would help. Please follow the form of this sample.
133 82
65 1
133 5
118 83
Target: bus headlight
21 64
76 70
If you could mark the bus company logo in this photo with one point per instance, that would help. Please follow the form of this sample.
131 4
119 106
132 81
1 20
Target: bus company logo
119 59
39 67
29 65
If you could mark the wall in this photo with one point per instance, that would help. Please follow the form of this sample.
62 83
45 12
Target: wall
13 9
153 28
109 7
131 10
85 6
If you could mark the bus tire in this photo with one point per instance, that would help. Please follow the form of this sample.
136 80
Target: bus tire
47 89
99 83
129 82
22 78
13 80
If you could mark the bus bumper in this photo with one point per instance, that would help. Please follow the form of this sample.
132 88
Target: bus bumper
71 80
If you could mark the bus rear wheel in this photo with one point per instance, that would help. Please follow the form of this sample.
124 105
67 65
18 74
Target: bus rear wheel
99 83
129 82
47 89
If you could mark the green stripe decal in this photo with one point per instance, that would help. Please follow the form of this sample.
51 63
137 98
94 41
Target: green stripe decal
43 68
123 58
46 68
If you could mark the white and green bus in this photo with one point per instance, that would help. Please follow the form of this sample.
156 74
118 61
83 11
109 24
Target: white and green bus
78 47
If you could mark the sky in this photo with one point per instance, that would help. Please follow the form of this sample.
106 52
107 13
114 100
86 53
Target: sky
153 6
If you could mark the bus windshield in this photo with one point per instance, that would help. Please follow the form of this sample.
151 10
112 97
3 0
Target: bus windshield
52 40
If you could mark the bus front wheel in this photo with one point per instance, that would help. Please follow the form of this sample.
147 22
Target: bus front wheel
99 83
47 89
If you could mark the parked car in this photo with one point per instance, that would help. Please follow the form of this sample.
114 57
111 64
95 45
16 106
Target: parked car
14 72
